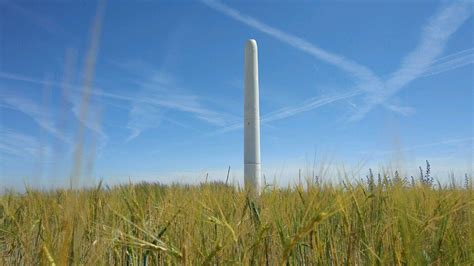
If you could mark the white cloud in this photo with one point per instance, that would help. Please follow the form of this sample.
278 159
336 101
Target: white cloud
289 111
158 91
142 117
453 141
36 112
432 42
450 62
41 20
17 144
417 64
403 110
18 77
362 74
308 105
33 110
159 98
92 121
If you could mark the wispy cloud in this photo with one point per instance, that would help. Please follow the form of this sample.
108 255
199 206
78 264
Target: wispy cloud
159 94
450 62
142 118
16 144
367 80
159 98
445 142
286 112
403 110
35 112
420 62
18 77
308 105
144 115
432 42
92 121
40 20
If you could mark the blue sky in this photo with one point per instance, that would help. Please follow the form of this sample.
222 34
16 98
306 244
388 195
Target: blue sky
152 90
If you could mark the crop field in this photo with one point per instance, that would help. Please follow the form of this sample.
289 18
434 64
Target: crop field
377 221
95 92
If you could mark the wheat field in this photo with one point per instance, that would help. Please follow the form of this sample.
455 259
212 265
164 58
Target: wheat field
376 221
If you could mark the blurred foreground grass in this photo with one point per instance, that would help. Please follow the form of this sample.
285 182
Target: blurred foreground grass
378 221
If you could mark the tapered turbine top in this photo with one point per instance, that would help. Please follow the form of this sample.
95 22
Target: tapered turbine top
251 119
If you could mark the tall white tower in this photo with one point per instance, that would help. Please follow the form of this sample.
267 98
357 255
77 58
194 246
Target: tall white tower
252 176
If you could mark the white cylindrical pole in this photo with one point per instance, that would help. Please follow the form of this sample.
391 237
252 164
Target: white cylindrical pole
251 119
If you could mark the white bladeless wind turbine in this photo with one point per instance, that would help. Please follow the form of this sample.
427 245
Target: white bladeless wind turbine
252 170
